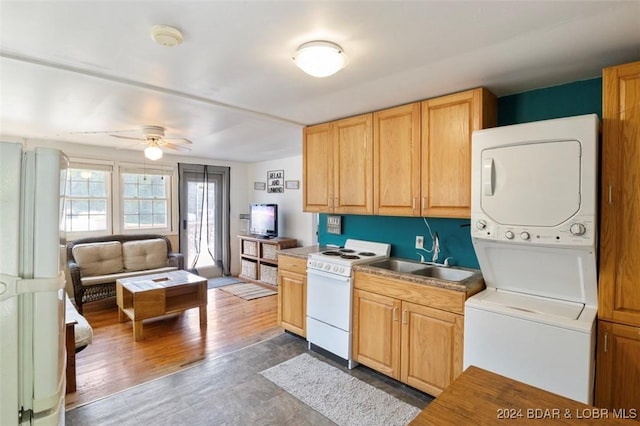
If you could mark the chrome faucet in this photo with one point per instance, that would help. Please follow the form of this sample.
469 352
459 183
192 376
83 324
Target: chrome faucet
435 249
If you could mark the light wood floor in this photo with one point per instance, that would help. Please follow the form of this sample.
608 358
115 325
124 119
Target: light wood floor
114 362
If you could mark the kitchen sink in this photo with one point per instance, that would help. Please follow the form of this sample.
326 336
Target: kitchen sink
448 274
416 268
400 266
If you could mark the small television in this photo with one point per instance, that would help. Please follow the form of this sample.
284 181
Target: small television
263 220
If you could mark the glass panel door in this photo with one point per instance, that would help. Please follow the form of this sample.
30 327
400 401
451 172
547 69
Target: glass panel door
201 224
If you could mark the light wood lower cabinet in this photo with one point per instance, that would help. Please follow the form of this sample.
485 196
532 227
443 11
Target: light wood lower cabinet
431 348
376 338
618 366
416 344
292 294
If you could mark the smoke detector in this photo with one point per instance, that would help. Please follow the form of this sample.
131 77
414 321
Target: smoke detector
165 35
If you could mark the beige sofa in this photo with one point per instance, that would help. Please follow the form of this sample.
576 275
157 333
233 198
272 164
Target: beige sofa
96 263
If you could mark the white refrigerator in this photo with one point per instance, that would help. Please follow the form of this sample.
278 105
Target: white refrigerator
32 302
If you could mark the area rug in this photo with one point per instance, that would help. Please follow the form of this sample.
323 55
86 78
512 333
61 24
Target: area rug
338 396
222 281
248 291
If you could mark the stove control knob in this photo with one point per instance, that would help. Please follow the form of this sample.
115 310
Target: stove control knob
509 235
525 235
577 229
327 267
481 224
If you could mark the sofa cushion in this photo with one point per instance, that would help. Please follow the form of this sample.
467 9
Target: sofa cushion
82 330
144 254
99 258
111 278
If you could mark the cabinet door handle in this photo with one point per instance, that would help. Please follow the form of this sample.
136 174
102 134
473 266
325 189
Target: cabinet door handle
395 313
606 342
404 316
415 203
424 203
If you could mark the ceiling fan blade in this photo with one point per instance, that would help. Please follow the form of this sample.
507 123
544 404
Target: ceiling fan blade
179 140
176 147
126 137
103 131
130 145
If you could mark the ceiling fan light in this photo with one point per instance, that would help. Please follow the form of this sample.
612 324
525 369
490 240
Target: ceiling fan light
320 58
153 152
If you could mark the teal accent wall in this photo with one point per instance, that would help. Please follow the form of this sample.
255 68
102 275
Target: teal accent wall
577 98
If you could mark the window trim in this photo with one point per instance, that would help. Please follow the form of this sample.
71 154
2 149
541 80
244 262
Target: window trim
115 213
136 169
98 166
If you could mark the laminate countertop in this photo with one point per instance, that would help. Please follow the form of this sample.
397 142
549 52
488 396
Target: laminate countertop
480 397
471 285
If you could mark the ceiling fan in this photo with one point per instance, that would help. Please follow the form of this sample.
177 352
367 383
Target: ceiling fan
153 137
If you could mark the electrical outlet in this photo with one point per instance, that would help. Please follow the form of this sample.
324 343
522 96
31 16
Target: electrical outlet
419 241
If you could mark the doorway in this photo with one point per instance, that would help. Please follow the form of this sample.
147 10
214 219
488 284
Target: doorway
204 219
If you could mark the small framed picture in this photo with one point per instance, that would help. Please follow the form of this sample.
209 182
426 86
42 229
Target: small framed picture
292 184
275 181
259 186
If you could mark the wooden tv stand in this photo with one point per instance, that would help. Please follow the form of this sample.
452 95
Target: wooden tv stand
259 257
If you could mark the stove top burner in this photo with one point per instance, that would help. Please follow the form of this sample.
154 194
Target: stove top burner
350 256
331 253
345 250
366 253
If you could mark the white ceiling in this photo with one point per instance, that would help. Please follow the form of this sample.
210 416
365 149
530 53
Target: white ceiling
232 87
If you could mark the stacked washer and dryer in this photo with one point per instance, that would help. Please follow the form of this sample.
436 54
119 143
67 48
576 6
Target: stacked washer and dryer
534 226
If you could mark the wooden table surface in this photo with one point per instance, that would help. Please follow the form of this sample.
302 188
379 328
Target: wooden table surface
479 397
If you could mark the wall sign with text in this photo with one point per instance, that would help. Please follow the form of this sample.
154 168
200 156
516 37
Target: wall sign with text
275 181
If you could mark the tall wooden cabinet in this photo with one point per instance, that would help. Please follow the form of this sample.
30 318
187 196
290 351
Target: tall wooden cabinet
411 332
338 161
618 353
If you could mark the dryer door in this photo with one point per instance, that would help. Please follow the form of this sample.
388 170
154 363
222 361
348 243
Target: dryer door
531 184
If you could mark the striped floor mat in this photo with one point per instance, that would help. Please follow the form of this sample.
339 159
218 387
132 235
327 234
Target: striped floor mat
248 291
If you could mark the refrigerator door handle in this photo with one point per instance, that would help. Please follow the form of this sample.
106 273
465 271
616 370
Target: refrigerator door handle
12 286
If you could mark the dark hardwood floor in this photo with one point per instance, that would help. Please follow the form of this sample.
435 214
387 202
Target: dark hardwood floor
114 362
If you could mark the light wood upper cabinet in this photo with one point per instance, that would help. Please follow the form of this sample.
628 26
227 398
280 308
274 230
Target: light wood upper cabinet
396 161
447 124
411 160
619 282
317 154
292 294
338 166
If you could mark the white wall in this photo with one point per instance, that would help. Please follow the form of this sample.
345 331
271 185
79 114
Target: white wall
294 223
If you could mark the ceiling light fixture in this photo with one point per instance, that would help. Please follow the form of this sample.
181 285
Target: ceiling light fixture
320 58
153 152
165 35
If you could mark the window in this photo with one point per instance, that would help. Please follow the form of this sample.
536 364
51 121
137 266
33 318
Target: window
87 208
146 201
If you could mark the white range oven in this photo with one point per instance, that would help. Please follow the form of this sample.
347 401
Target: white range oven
330 294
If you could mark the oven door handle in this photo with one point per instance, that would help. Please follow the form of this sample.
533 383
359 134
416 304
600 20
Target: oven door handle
326 275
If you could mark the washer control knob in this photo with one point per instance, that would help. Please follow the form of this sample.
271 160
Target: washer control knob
509 235
525 235
481 224
577 229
